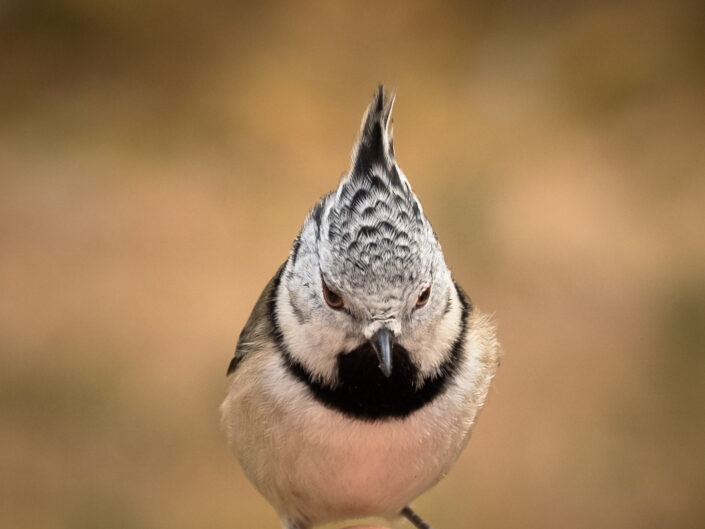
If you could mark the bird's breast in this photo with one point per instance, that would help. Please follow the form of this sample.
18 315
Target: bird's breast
317 463
337 466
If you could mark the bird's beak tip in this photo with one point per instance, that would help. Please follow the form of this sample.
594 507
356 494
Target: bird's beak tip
386 370
382 344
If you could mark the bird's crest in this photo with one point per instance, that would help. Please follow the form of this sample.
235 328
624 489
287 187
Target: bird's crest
375 145
374 223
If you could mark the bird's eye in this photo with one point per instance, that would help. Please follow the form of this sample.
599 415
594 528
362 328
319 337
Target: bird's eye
423 297
334 300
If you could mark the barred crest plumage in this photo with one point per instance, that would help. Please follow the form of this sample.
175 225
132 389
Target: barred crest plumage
374 227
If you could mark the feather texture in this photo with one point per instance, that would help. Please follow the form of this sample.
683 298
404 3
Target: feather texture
317 427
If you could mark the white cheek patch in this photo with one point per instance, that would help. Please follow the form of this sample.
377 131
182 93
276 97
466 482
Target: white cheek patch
312 341
430 345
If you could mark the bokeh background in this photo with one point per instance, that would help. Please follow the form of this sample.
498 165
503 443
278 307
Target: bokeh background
158 158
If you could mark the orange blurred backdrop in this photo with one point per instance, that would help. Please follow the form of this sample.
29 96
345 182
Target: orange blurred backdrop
158 158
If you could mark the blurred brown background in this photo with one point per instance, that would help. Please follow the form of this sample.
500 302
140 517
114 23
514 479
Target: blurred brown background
157 159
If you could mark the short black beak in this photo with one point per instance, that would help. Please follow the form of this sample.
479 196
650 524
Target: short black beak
382 344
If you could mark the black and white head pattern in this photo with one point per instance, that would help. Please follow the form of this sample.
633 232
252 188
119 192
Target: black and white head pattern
374 238
370 242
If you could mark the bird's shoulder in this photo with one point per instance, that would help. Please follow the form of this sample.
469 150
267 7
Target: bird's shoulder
259 326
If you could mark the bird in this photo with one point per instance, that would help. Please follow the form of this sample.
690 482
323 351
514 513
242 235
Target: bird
362 369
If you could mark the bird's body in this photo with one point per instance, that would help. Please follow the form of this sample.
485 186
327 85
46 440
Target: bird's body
355 385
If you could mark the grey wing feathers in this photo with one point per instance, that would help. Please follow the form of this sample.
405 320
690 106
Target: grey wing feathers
259 324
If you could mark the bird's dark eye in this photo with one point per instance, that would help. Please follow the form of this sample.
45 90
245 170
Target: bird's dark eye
334 300
423 297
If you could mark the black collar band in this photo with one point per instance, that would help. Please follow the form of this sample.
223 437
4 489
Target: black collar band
362 391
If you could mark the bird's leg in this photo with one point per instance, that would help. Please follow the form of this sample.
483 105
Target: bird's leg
414 518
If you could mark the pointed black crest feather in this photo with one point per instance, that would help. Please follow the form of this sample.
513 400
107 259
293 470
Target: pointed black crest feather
374 146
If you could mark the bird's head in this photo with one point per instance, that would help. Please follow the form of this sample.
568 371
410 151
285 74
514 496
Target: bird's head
366 270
